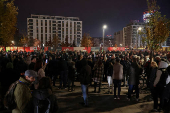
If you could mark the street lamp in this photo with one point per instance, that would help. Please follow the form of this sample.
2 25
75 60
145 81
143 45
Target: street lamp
12 43
120 45
104 27
139 29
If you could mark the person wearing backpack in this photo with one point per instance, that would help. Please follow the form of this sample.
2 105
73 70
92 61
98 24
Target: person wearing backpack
159 85
166 93
43 100
22 92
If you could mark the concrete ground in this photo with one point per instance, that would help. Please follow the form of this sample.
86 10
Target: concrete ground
102 102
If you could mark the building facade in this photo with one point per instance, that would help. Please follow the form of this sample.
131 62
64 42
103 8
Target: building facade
133 37
98 42
119 39
45 28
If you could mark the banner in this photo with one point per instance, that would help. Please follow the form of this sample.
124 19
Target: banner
59 48
20 49
11 48
67 49
116 48
88 49
95 48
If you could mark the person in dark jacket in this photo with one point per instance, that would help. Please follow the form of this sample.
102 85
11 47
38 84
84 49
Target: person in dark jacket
134 79
5 82
154 67
85 79
63 68
71 74
43 92
33 61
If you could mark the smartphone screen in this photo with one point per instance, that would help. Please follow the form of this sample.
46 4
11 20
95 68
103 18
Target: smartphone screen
46 61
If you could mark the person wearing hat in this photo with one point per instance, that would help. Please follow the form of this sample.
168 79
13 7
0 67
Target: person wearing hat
22 91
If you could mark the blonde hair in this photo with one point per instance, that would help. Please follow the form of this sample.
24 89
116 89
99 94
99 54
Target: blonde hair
154 64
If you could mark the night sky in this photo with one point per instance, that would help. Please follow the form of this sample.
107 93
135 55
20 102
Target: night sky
116 14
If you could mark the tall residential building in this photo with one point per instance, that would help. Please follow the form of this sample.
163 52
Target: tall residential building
45 28
132 35
118 38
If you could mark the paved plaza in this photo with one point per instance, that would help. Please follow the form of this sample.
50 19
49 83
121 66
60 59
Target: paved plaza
69 102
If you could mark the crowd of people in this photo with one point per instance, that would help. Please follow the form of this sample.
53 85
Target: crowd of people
37 72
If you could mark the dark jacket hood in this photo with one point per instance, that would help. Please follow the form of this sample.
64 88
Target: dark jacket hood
41 94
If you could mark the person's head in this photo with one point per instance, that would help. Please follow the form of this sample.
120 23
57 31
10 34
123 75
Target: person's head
84 62
38 65
81 57
133 59
33 59
117 60
113 56
30 75
154 64
157 59
45 83
9 65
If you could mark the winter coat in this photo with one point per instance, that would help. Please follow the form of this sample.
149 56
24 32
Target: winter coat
22 95
117 71
98 72
71 71
63 65
42 94
134 74
31 66
159 72
85 75
152 76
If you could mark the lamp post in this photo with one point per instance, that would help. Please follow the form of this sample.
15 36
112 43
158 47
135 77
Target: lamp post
110 43
12 43
104 27
139 29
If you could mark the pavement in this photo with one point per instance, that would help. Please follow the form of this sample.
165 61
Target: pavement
103 102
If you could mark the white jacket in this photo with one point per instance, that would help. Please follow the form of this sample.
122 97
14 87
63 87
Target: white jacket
159 72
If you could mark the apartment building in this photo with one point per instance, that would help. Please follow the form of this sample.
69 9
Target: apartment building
45 28
118 38
132 34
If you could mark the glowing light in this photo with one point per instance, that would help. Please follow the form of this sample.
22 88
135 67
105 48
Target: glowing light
139 28
104 27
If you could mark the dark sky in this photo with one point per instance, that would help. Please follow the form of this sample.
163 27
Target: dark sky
116 14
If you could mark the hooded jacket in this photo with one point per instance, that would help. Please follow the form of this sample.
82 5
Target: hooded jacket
22 95
42 94
159 72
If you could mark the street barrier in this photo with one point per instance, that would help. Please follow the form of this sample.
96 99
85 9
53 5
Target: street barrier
87 49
